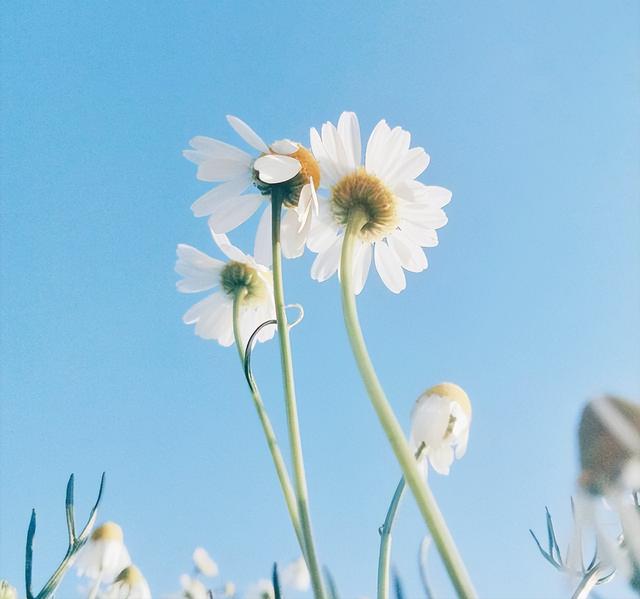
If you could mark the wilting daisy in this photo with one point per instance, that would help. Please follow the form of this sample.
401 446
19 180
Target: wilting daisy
440 420
129 584
284 167
240 277
400 215
105 555
295 575
203 562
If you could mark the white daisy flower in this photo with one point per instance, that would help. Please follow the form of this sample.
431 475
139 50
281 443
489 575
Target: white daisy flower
240 276
440 420
295 575
284 167
402 214
192 588
203 562
263 589
105 555
129 584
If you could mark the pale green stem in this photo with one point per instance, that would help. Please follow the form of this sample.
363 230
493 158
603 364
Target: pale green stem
414 478
290 401
384 557
52 584
269 433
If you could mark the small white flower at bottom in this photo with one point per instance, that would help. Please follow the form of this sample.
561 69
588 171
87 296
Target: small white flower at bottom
204 563
192 588
7 591
263 589
241 274
440 420
129 584
104 555
295 575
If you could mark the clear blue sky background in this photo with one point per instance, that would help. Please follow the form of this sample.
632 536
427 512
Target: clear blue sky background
530 113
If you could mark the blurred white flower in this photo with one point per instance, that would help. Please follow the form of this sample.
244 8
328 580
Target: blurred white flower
263 589
440 420
105 555
192 588
229 589
295 575
129 584
7 591
286 165
240 276
402 214
203 562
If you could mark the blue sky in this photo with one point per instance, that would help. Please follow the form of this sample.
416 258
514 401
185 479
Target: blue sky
530 113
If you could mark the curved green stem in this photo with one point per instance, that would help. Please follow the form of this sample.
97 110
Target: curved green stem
414 478
269 433
290 401
384 557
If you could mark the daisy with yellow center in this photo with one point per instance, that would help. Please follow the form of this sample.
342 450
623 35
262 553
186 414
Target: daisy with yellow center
284 167
240 284
440 423
129 584
397 215
104 555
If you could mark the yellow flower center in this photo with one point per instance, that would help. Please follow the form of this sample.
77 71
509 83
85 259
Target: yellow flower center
109 531
130 575
310 167
238 278
452 392
362 192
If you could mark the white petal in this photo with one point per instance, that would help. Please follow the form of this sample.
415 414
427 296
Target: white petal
284 146
292 237
201 272
361 265
349 130
389 268
441 458
328 173
420 235
232 212
437 195
335 149
394 151
203 308
222 169
262 248
247 133
412 165
374 157
411 255
207 147
461 447
205 204
226 247
274 168
322 234
326 262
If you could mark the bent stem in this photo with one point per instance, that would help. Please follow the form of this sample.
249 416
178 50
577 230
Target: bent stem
384 557
424 498
269 433
290 401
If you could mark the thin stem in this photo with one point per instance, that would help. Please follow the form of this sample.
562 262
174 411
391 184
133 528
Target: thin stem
269 433
414 478
384 557
290 401
588 582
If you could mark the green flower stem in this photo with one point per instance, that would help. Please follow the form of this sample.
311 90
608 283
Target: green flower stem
269 433
384 557
290 401
414 478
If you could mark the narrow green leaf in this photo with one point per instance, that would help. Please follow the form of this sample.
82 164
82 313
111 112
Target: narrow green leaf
71 525
276 582
28 561
86 531
397 586
331 584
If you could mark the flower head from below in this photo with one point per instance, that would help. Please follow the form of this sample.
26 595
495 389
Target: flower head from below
397 215
295 575
105 555
285 168
129 584
204 563
609 442
440 422
240 279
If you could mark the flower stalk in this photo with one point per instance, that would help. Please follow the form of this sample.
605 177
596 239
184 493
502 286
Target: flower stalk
290 400
269 433
415 479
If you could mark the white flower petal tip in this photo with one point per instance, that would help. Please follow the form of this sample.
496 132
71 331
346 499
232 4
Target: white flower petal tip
104 555
440 422
263 589
402 213
295 575
247 133
203 563
284 146
274 168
